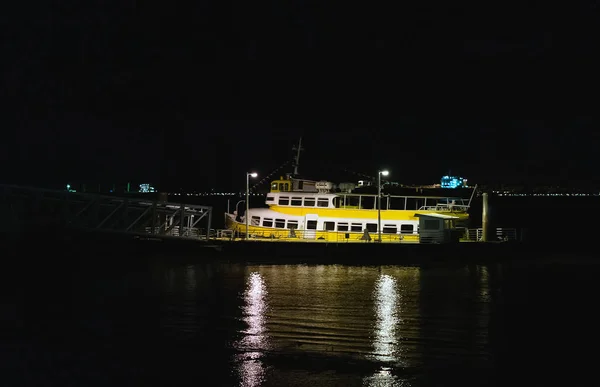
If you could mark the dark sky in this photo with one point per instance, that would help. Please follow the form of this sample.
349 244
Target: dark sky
194 97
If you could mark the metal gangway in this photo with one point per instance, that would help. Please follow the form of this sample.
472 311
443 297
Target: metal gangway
40 209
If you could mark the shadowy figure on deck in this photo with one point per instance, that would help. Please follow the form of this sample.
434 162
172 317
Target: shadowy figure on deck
366 236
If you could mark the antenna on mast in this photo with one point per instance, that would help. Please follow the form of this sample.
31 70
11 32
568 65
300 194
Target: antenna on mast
298 149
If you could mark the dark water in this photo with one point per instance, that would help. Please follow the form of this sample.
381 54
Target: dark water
106 321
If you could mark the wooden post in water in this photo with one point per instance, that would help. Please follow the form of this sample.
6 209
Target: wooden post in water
484 218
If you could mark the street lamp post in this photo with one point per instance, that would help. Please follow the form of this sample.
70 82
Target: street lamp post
248 175
379 174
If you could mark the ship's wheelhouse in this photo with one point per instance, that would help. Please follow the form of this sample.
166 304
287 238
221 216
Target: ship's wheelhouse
281 185
290 184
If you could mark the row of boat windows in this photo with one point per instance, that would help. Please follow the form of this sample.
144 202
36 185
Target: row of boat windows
300 202
334 226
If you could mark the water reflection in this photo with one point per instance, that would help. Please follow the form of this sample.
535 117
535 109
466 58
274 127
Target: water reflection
317 326
483 312
385 378
386 304
170 281
254 313
394 333
190 281
484 283
181 314
322 309
255 339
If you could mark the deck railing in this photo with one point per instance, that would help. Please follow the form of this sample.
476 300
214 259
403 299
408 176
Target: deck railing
287 235
297 235
446 208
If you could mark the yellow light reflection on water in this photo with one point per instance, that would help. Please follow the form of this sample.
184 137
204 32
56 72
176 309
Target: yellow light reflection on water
255 339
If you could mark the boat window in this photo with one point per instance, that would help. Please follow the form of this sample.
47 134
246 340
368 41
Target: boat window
309 202
255 220
389 229
284 186
274 186
372 227
406 228
367 202
292 224
342 227
337 202
311 225
284 201
356 227
296 201
322 202
329 226
267 222
270 198
352 201
280 223
301 185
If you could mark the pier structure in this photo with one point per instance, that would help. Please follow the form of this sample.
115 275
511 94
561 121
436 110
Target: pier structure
152 226
40 211
28 209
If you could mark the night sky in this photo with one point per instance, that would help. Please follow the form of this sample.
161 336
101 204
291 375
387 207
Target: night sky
116 91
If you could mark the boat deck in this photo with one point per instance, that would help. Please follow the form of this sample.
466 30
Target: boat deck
298 236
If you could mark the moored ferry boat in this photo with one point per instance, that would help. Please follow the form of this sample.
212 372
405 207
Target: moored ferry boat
307 210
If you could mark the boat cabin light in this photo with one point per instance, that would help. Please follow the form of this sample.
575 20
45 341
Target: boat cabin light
281 185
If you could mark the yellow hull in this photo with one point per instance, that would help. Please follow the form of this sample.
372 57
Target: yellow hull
259 233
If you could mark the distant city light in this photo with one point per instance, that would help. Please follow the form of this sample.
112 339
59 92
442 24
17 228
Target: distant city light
146 188
453 182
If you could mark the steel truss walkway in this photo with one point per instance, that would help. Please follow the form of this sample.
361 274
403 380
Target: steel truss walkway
20 206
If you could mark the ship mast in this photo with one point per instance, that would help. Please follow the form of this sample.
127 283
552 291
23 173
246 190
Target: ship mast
298 149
